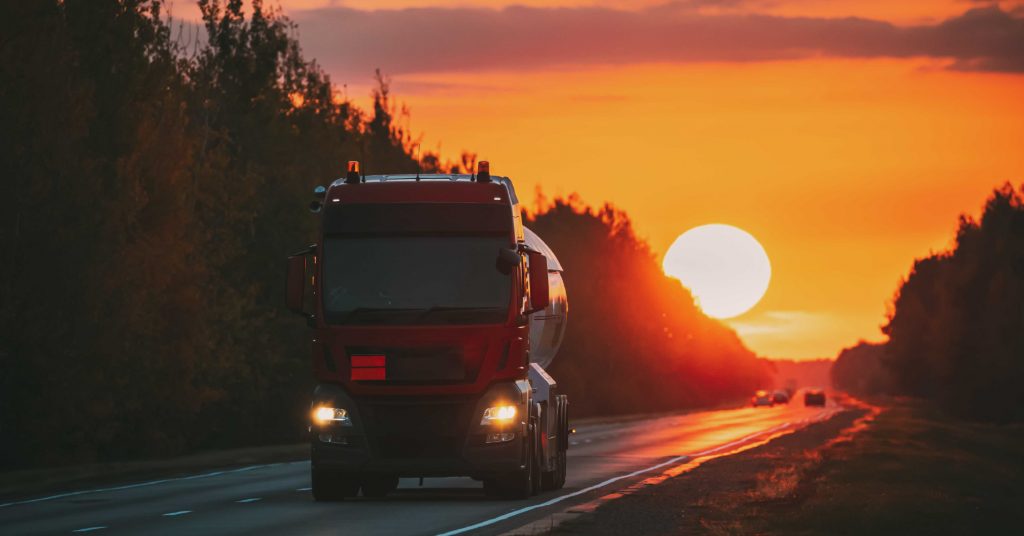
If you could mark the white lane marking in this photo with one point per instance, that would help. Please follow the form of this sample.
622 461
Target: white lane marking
90 529
150 483
249 500
574 442
303 489
560 498
178 513
612 480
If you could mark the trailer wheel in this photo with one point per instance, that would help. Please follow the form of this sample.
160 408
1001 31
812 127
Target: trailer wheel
378 486
332 485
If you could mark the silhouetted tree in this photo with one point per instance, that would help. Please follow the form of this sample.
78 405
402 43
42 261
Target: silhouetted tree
149 195
956 333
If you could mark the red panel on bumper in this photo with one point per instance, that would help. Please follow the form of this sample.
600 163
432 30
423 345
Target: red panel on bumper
368 361
368 373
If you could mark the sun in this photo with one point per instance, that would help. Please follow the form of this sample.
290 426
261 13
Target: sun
726 268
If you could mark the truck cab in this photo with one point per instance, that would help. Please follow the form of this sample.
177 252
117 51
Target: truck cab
426 297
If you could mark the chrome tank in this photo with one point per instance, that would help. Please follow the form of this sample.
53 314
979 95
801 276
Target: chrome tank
547 327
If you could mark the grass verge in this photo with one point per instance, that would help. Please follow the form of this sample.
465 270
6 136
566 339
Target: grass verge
911 471
905 470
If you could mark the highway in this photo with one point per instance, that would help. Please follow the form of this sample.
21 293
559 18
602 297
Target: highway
275 498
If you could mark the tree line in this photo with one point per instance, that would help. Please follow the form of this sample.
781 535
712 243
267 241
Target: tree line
151 190
956 328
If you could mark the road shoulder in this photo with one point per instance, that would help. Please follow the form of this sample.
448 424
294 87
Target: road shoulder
902 470
680 504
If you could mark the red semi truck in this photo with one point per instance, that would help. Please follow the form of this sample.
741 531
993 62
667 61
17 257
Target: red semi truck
433 314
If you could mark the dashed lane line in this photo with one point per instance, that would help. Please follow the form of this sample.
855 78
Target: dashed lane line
178 513
150 483
90 529
249 500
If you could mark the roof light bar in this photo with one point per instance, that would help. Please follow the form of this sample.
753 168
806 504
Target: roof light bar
483 173
352 175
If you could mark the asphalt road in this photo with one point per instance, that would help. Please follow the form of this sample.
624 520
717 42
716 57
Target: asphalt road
275 498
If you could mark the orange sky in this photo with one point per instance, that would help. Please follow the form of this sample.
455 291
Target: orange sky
845 165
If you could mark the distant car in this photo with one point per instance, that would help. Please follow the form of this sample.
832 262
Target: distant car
814 397
761 398
780 397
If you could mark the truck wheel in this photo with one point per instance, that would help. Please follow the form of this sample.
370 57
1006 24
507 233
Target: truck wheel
555 479
522 483
332 485
378 486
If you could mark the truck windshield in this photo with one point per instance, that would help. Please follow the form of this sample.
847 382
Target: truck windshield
414 280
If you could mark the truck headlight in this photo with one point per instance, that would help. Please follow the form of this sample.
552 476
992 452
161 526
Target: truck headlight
324 415
498 415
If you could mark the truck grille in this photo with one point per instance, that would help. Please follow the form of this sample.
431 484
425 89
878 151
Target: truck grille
404 430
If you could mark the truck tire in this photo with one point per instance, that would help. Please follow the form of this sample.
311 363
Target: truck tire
378 486
332 485
555 479
521 484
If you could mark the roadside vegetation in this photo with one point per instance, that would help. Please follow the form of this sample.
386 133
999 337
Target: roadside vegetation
907 470
151 191
153 185
912 471
956 330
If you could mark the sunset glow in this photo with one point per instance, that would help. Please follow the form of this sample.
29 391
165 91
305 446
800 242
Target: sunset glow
540 254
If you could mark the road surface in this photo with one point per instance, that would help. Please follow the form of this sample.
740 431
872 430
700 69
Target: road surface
275 498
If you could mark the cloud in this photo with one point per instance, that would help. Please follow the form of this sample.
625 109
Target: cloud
777 322
424 40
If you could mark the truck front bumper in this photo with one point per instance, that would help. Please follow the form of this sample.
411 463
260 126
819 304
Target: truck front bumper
421 436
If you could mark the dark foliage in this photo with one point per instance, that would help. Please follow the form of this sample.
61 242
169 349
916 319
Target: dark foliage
956 334
635 341
150 193
956 331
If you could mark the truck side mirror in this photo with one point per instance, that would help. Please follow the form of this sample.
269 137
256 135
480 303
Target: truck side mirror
296 283
295 295
507 260
539 297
